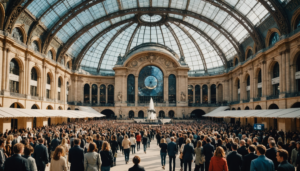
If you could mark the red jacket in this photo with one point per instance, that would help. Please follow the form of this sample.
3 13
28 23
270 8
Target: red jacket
138 138
218 164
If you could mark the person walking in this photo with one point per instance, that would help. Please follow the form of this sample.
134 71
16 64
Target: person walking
248 158
262 163
163 152
98 141
28 150
136 160
92 161
145 139
172 151
2 154
181 151
138 141
120 140
126 148
294 154
242 150
58 162
132 143
208 151
284 165
114 147
218 161
16 162
54 143
65 145
234 159
271 153
41 155
188 153
106 157
76 156
200 158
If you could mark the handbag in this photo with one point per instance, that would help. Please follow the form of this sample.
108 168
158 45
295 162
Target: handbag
181 155
116 155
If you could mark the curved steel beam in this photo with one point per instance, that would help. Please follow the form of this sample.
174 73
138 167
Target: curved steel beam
14 12
147 10
206 37
110 42
93 40
65 19
176 39
279 15
131 38
196 45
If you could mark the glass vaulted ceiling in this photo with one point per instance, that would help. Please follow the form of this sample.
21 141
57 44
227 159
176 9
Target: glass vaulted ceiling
51 11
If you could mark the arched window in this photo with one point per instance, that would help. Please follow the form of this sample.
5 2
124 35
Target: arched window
171 114
17 34
172 88
35 46
204 94
48 86
59 83
59 86
131 114
213 94
236 61
33 83
161 114
50 55
34 106
141 114
102 94
276 70
259 86
130 88
14 80
110 94
249 54
273 38
68 65
238 90
86 90
275 84
248 87
94 93
197 94
67 91
190 93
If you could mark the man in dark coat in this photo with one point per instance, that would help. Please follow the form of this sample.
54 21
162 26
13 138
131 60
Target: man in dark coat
41 155
248 158
242 150
16 162
14 141
172 151
136 160
234 159
76 156
271 153
188 152
284 165
208 151
54 143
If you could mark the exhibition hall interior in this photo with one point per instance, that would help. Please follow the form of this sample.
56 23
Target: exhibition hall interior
223 60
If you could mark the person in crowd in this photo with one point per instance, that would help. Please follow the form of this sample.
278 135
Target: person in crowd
271 153
28 150
8 147
200 158
234 159
54 143
126 148
65 145
218 161
242 150
41 155
282 158
163 152
208 151
120 140
261 163
248 158
92 161
16 162
136 161
14 141
114 147
76 156
145 140
188 153
132 143
181 151
98 141
106 157
295 153
2 154
58 162
172 151
138 141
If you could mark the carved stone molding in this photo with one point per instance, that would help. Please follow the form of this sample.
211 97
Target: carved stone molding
151 58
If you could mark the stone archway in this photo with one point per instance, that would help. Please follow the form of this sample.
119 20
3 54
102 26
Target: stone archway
273 106
258 107
141 114
296 105
108 113
171 114
161 114
198 113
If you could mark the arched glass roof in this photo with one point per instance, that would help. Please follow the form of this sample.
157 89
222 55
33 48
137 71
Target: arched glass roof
188 34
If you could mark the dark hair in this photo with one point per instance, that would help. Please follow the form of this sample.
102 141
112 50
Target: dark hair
1 141
136 160
18 148
261 149
59 149
283 153
208 140
76 141
28 150
41 140
272 142
234 146
92 147
252 148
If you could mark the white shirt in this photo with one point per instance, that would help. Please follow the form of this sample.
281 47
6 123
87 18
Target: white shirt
132 140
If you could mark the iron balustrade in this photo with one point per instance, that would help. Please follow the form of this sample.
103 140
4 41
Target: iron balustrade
256 99
17 95
274 96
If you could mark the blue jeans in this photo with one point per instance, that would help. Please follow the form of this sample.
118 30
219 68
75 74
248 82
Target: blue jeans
105 168
163 158
133 148
126 152
145 147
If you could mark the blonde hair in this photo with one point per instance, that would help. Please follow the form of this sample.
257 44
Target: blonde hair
63 141
188 141
199 143
219 152
163 140
105 146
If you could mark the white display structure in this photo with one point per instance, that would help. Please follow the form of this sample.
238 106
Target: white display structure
151 111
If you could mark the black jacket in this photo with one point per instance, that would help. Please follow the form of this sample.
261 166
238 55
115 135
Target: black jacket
247 161
16 162
106 158
208 151
145 140
41 155
271 154
136 168
76 158
54 143
243 151
234 161
285 166
99 144
114 146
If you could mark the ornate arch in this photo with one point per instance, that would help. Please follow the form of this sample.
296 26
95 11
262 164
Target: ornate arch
38 40
296 15
247 51
22 29
2 15
268 36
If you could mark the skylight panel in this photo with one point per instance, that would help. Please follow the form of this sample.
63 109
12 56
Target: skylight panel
127 4
179 4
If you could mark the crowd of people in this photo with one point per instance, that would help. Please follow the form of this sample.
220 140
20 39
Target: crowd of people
95 145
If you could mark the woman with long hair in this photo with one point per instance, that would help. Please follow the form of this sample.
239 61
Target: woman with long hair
92 160
200 158
65 145
58 162
163 152
114 147
126 147
218 162
145 141
106 157
181 150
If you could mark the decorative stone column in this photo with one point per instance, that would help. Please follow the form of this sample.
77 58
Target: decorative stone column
194 93
98 95
106 93
209 94
217 93
136 90
282 73
201 93
91 94
288 71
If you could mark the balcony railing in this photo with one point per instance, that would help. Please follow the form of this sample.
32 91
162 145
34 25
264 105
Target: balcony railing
17 95
295 94
49 100
234 102
130 104
274 96
256 99
61 101
35 98
246 101
208 104
91 104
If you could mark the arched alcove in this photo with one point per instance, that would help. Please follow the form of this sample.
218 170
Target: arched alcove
273 106
198 113
296 105
141 114
258 107
108 113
